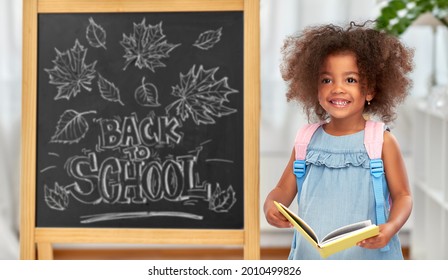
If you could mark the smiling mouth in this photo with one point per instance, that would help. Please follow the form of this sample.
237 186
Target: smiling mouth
339 102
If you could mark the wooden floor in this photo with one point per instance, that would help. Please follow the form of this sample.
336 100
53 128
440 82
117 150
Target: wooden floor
165 254
171 254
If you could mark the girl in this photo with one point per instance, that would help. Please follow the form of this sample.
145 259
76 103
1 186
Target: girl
340 75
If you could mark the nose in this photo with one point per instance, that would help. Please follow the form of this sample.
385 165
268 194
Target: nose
337 88
337 92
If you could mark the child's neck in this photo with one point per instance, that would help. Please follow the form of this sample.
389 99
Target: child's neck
339 127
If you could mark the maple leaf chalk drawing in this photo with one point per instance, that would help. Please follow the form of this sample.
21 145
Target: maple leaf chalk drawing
70 72
71 127
201 96
208 39
96 35
147 95
146 46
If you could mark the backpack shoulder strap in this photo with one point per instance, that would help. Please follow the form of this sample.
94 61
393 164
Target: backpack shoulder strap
303 138
373 142
373 139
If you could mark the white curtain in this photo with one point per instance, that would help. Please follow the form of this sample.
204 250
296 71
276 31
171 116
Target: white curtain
10 101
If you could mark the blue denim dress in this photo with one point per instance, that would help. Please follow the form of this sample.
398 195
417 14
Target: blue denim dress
338 191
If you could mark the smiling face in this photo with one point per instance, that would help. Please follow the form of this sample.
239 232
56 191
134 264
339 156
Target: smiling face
339 89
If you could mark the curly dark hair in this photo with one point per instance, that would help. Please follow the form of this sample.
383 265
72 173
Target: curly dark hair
382 59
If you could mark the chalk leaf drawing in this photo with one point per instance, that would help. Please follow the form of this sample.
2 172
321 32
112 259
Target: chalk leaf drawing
108 90
56 198
201 96
147 95
71 127
96 35
208 39
70 72
222 200
146 46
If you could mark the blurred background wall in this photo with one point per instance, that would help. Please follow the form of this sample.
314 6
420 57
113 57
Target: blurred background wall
10 100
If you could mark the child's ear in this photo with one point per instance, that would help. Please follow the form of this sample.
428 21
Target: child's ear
369 96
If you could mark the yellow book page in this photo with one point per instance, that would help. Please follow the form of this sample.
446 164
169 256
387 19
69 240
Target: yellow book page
348 240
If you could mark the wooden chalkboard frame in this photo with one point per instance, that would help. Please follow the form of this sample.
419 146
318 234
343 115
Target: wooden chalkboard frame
36 243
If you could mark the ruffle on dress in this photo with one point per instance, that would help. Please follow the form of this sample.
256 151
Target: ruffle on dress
338 160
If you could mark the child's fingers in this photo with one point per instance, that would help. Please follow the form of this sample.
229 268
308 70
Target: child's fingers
375 242
280 220
275 218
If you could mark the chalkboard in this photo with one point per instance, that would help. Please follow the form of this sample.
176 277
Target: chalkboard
140 120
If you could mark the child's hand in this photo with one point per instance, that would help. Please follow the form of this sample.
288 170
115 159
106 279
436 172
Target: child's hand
275 218
379 241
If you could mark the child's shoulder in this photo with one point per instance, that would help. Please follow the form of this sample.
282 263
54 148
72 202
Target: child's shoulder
391 146
389 138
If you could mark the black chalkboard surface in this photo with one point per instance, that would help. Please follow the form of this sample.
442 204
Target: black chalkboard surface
140 120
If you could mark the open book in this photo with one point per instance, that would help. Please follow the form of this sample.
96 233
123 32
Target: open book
335 241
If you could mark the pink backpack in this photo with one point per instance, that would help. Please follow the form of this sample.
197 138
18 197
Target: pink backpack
373 142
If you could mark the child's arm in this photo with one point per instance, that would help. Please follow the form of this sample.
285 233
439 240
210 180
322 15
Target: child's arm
400 193
284 192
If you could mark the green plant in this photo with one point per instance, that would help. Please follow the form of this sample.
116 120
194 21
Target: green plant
398 15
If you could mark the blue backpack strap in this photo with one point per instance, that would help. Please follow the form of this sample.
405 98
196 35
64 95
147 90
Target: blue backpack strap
302 140
299 169
373 141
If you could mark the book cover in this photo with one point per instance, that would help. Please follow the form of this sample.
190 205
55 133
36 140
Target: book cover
335 241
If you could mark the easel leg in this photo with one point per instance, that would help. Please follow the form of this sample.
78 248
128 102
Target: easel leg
44 251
